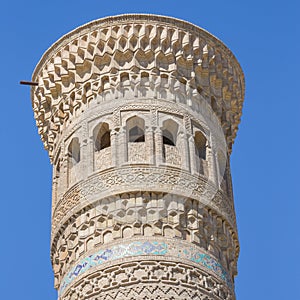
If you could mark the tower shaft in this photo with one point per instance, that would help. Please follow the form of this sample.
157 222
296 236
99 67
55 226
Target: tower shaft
139 114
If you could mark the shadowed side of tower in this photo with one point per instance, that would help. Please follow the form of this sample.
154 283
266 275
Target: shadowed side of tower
139 114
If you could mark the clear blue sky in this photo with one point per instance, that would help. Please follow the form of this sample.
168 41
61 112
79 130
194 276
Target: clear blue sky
265 37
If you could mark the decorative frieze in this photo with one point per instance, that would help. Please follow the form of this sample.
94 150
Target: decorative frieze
148 248
136 178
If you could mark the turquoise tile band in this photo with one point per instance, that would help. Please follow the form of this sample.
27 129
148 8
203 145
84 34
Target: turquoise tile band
140 248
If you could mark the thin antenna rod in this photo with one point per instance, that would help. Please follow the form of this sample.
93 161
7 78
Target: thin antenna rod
28 83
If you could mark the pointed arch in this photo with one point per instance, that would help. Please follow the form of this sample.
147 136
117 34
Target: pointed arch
74 152
73 160
169 142
200 152
200 145
222 168
101 136
135 127
102 146
136 130
170 132
221 165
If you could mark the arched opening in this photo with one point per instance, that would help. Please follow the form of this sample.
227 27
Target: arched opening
136 135
73 160
169 139
200 145
101 137
136 139
200 152
102 143
74 152
221 164
136 130
222 167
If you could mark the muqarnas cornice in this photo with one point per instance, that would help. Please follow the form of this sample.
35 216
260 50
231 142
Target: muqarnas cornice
114 54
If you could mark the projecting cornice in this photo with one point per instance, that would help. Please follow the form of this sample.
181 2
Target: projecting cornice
142 53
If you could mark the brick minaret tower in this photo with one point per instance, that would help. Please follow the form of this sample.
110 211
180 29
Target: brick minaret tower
139 114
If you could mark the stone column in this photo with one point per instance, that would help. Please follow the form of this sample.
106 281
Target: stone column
84 152
123 146
149 145
158 146
65 170
211 163
192 155
114 147
90 162
185 151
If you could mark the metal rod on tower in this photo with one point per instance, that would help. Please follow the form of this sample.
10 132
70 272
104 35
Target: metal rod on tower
23 82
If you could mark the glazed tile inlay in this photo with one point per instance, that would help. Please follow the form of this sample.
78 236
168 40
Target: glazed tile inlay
138 248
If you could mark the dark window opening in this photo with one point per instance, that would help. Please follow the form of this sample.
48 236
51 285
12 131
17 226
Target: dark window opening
136 135
168 138
74 151
200 145
102 140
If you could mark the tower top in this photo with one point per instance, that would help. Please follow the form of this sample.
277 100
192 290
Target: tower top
73 71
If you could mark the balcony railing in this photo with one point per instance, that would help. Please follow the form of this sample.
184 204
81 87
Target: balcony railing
103 159
137 152
172 156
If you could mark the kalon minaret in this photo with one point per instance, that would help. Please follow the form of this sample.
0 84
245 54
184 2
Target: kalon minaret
139 114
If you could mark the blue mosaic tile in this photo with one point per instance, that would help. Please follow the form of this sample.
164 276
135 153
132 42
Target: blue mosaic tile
138 248
118 251
207 261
